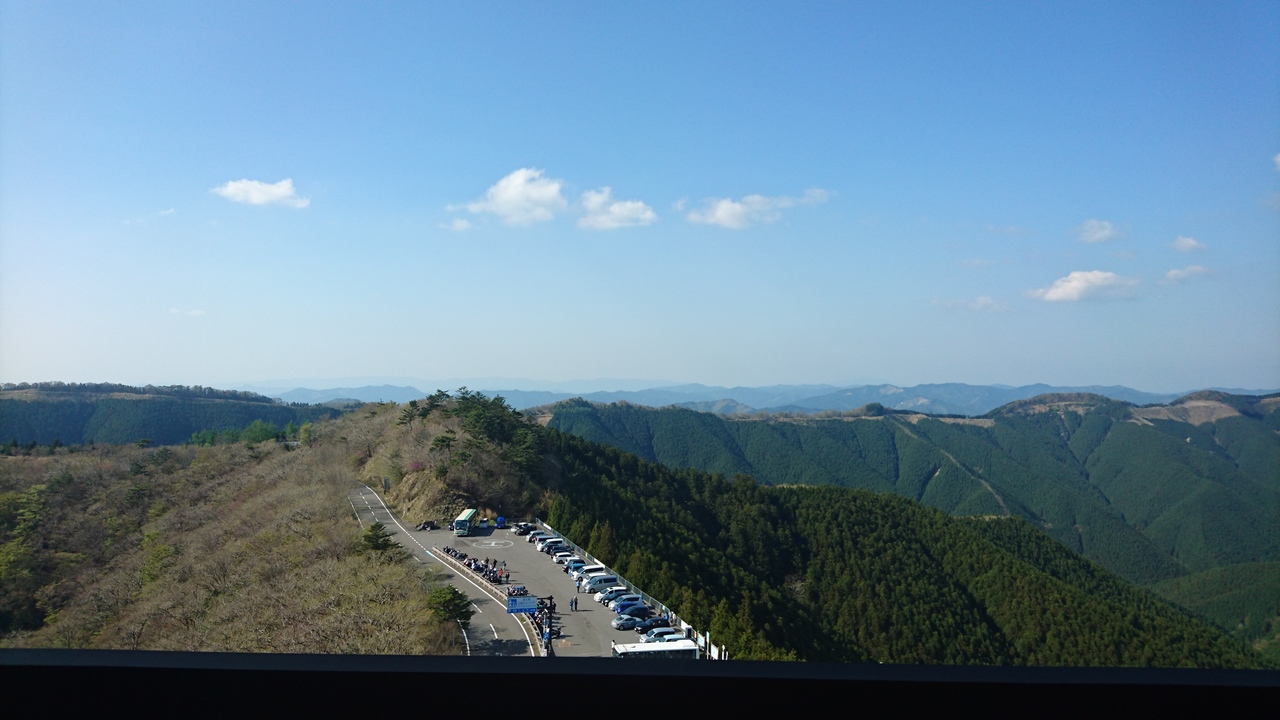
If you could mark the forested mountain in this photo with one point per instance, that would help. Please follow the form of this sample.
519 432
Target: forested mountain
1152 493
108 413
121 547
816 573
956 398
825 573
1147 492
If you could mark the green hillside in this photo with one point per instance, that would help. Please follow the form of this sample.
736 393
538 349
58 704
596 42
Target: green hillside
824 573
243 547
1244 599
1150 493
119 414
803 572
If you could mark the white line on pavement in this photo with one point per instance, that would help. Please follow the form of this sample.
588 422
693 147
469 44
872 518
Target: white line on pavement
461 575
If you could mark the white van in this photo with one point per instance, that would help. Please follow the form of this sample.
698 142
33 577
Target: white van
598 582
610 593
586 570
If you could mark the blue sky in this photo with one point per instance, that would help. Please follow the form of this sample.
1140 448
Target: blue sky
727 193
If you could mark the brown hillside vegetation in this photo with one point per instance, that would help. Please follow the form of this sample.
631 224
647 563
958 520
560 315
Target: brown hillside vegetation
224 548
436 467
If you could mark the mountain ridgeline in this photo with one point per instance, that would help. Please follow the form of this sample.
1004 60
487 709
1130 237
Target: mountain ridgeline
802 572
1152 493
827 573
798 572
116 414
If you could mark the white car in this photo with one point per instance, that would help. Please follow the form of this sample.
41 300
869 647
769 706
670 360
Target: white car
608 594
586 570
661 635
562 557
628 597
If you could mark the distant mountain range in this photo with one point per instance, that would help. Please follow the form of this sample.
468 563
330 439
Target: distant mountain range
1183 496
936 398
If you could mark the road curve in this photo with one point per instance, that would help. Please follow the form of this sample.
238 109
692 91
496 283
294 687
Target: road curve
492 631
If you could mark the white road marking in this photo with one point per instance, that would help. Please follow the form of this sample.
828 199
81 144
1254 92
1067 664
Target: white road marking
463 628
463 576
477 607
495 632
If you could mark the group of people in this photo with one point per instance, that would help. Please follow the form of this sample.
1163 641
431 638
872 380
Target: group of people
544 619
489 569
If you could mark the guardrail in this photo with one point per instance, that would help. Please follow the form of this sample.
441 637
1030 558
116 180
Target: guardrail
452 562
711 652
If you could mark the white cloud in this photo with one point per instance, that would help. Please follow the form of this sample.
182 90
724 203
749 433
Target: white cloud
256 192
1187 244
1082 284
522 198
458 225
680 204
602 214
738 214
1186 273
977 262
1276 160
170 211
192 313
1096 231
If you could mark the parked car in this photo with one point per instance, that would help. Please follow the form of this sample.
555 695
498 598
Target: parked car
599 581
607 595
586 570
563 557
626 608
623 599
651 623
573 564
546 542
624 622
640 612
656 634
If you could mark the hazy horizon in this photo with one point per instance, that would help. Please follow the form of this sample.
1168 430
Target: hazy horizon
733 195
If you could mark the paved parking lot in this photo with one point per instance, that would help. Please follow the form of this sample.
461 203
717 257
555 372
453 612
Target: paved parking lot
587 632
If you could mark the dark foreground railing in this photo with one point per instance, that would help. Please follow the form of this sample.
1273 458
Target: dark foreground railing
198 683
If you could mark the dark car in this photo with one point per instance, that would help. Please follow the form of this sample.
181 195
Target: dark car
624 622
651 623
642 612
639 611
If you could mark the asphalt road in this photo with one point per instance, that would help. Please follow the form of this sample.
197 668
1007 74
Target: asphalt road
492 631
586 633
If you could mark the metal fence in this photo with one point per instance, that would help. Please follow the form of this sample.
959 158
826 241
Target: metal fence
712 652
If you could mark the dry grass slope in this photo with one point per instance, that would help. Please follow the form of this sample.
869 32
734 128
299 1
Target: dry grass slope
227 548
